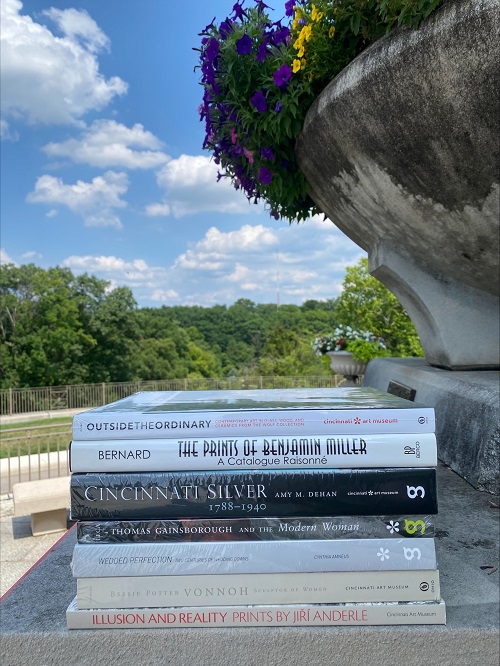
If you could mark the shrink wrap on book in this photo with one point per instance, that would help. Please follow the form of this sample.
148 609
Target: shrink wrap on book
250 589
236 453
234 557
341 492
368 614
247 413
254 529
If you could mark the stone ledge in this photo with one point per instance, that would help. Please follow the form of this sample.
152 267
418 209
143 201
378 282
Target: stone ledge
33 623
467 405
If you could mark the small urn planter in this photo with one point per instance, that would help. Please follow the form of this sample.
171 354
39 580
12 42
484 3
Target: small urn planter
343 363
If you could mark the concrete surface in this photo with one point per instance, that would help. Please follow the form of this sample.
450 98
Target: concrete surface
467 406
33 625
401 152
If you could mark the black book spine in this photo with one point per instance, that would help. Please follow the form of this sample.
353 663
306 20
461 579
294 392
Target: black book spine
263 493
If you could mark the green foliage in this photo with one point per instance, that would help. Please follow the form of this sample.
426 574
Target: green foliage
261 76
59 329
366 304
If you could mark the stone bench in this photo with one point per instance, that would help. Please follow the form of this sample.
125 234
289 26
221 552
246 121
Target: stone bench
47 500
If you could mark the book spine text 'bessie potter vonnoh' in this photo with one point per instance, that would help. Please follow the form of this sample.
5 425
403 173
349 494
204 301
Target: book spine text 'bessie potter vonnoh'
267 422
254 529
259 493
233 557
234 453
260 616
277 588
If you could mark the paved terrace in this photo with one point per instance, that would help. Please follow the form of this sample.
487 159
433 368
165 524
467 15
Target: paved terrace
33 624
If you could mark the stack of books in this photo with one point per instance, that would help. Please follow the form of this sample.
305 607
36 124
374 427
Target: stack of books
280 507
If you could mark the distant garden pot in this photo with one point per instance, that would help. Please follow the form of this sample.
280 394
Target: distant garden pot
343 363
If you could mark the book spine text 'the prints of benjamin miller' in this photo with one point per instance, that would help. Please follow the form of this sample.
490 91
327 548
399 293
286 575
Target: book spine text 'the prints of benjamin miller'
277 588
234 557
254 529
234 423
260 616
233 453
260 493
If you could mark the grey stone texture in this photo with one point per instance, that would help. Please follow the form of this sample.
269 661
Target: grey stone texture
467 405
401 152
33 624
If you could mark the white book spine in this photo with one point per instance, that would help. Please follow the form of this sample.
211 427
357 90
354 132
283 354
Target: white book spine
282 422
312 451
261 616
162 559
246 589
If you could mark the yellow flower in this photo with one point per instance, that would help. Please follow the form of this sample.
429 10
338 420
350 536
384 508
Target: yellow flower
303 63
305 33
315 14
295 66
300 52
331 32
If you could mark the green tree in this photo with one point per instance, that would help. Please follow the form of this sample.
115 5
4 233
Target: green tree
366 304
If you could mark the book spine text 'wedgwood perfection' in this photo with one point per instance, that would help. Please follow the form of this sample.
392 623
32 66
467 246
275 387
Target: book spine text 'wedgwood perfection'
234 557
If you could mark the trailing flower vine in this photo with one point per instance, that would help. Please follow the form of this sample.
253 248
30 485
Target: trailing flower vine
260 76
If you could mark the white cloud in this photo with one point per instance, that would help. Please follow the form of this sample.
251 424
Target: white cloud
31 254
107 143
157 210
6 134
5 258
191 187
52 213
51 79
279 263
78 25
94 201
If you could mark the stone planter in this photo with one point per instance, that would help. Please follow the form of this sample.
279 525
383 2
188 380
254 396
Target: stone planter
401 152
343 363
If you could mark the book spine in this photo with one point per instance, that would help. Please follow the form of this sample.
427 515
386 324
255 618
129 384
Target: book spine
241 589
233 453
266 422
234 557
253 529
217 494
431 613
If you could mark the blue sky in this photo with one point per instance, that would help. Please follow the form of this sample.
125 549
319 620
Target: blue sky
102 167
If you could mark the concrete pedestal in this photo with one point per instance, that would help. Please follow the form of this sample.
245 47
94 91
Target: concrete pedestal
33 623
467 405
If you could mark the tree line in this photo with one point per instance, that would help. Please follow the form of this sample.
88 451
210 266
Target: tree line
57 328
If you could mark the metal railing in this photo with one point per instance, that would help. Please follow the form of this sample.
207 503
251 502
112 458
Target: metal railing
84 396
31 453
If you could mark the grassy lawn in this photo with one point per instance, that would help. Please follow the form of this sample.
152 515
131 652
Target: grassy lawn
23 425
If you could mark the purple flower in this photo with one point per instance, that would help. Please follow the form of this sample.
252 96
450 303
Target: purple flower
238 10
282 76
262 50
224 29
289 7
267 153
265 175
278 107
258 100
212 50
281 35
244 45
